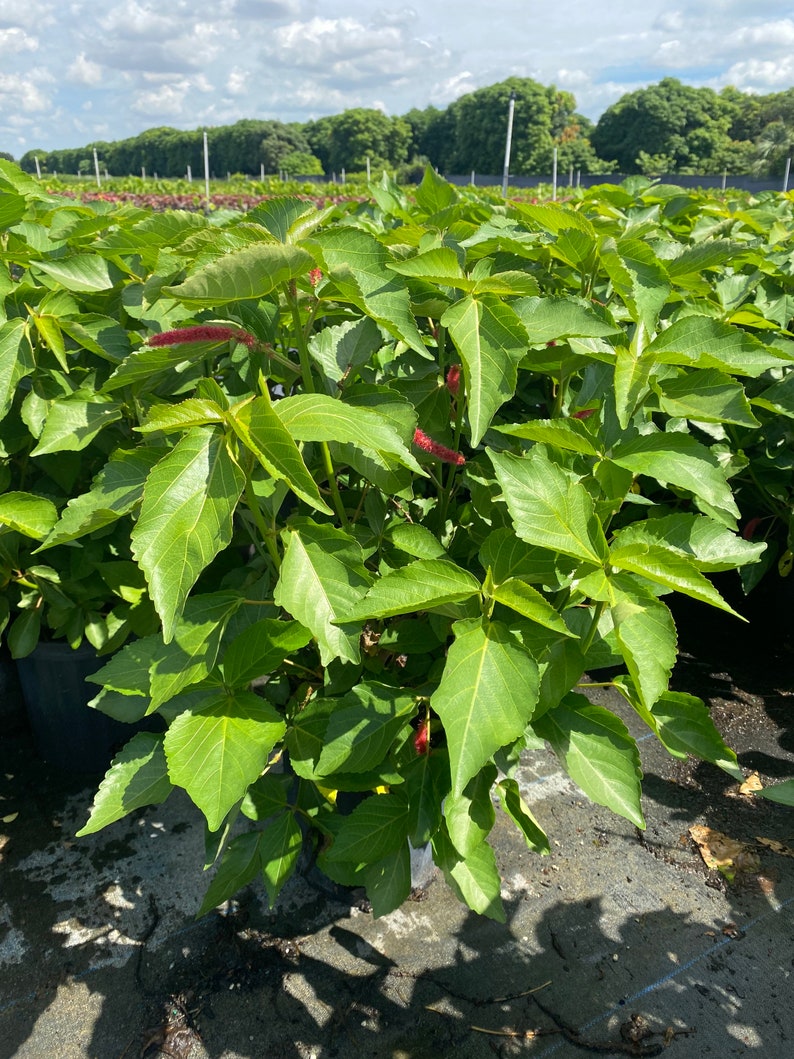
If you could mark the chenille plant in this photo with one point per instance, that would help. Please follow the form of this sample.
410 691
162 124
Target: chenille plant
398 476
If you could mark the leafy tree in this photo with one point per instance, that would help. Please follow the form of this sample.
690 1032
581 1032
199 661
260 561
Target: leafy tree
773 147
346 140
279 142
302 163
8 157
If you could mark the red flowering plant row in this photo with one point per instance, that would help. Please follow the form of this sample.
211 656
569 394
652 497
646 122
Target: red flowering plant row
374 491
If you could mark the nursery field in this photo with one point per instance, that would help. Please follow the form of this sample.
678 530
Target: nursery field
350 493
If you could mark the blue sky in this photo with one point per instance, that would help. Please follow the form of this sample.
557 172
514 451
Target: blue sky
73 71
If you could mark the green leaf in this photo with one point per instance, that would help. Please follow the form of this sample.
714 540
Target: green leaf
362 728
597 752
217 752
146 364
420 585
357 266
137 777
491 340
553 319
779 792
639 278
439 266
708 544
81 273
262 431
524 599
260 649
549 506
375 828
278 215
127 671
426 786
16 361
470 815
473 879
192 653
279 848
683 725
668 568
506 556
194 412
240 865
486 696
569 434
710 396
518 811
646 636
348 345
632 373
267 796
185 519
434 194
240 275
702 342
74 423
388 881
321 580
33 516
23 635
114 492
415 539
317 417
684 462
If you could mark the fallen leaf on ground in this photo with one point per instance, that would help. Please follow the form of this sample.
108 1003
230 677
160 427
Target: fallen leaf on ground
775 846
723 853
751 784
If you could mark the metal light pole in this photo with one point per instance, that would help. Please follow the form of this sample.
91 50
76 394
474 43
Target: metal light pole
508 143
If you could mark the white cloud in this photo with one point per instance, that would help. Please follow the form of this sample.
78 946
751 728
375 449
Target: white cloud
780 34
761 75
17 40
24 95
84 72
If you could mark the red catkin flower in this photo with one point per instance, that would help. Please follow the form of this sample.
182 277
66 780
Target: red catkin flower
447 455
422 739
453 379
315 275
583 413
749 530
203 333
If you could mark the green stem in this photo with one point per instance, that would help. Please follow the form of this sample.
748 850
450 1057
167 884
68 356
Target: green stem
328 464
268 538
300 338
588 640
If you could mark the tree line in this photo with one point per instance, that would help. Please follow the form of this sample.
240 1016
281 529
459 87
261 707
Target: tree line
668 127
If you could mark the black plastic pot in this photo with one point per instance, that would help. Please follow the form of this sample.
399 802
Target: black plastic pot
66 731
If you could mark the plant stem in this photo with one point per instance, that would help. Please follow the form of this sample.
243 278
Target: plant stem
328 464
588 640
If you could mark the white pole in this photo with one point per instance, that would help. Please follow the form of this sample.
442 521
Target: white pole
570 177
206 170
96 169
143 172
368 176
189 175
511 108
724 178
473 182
787 174
262 171
38 167
343 174
578 177
554 175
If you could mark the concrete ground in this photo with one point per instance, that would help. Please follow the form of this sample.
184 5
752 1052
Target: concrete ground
617 944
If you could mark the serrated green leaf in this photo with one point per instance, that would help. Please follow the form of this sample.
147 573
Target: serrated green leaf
279 848
260 649
597 752
114 492
348 345
518 811
375 828
524 599
138 776
33 516
267 795
632 373
569 434
185 519
415 539
147 364
491 340
708 395
16 361
702 342
549 506
421 585
263 432
322 578
217 752
680 460
388 881
439 265
506 556
639 278
646 636
317 417
82 273
486 696
73 423
668 568
553 319
426 786
240 865
470 815
707 543
362 727
474 879
250 273
194 412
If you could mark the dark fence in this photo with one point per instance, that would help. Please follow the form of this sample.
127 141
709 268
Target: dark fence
589 180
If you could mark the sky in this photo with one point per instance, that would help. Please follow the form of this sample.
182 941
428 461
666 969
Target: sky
75 71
